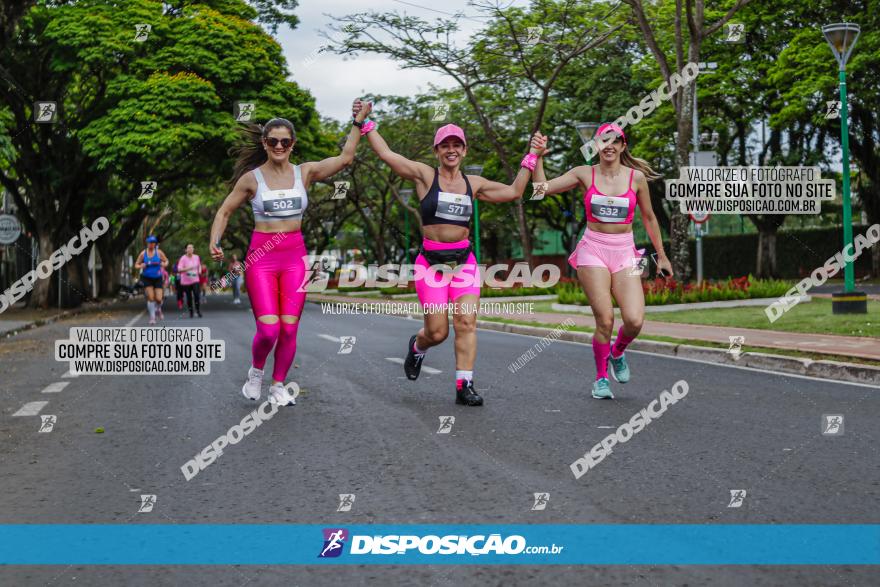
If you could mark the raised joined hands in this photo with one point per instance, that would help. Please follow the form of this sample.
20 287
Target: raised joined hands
538 145
360 110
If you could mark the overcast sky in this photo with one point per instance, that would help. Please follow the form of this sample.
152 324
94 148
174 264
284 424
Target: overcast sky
335 83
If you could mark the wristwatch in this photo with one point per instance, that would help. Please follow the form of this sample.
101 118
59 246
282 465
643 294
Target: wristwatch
356 123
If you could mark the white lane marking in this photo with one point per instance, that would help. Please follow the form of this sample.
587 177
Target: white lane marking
136 318
55 387
428 370
69 374
30 409
606 427
328 337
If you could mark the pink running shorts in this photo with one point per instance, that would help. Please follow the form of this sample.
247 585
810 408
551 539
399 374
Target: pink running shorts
615 252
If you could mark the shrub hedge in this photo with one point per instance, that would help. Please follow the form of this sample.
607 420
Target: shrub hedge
798 252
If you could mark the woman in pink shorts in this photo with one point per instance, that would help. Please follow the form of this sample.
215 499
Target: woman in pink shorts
276 190
606 258
446 205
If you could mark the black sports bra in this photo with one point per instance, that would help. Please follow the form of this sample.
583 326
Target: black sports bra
446 208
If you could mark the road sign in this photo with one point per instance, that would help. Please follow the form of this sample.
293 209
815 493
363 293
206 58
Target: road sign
699 217
703 159
10 229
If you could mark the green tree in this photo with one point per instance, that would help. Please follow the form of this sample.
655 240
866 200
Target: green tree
518 57
805 75
599 87
133 110
675 36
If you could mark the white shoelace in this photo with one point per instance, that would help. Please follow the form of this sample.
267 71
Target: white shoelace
281 394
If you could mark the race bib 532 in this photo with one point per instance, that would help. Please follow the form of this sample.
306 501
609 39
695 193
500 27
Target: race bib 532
609 208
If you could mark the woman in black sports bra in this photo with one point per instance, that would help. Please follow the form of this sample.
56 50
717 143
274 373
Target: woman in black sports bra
446 198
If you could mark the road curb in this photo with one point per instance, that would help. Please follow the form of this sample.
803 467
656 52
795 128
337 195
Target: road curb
778 363
844 371
55 318
721 304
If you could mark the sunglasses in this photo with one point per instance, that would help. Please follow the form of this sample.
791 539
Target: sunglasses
273 142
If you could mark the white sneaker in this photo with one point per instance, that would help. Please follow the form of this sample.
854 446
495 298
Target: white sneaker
252 388
236 301
279 395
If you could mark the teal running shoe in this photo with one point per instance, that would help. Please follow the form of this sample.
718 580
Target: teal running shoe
601 389
619 368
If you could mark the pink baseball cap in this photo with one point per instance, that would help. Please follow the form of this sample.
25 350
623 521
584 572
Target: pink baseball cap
611 127
450 130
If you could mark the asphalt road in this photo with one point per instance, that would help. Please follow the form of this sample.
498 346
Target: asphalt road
360 427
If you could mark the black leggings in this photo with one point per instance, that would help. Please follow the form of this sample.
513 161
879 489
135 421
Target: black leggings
192 291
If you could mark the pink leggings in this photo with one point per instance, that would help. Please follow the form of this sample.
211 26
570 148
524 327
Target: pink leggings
275 268
437 288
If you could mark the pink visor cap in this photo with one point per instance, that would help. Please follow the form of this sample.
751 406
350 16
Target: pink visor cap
611 127
450 130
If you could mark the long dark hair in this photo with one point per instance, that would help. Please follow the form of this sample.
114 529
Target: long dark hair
248 151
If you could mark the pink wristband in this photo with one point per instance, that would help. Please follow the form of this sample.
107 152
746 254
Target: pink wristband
367 127
529 161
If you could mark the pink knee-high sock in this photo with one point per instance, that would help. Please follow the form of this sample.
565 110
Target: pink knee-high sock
264 340
621 342
285 351
601 350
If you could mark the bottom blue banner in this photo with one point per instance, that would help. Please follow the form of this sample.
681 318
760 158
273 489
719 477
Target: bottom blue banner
246 544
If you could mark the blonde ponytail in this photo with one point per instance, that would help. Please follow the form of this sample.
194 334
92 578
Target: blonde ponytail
640 164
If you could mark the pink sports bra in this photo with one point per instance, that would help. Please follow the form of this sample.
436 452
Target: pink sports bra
610 209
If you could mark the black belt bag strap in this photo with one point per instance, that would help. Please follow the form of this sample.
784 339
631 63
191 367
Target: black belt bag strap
449 257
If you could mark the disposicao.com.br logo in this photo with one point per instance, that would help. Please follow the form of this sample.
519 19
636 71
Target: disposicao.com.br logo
334 540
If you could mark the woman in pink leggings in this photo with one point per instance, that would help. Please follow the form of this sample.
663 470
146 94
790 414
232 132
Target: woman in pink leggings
606 258
446 206
276 260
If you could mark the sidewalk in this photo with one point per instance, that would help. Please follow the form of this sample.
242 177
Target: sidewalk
853 346
15 320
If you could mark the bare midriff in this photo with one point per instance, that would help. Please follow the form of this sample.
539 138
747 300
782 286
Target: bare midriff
278 226
610 228
445 233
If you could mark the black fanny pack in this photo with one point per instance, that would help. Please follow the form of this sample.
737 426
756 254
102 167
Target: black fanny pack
449 257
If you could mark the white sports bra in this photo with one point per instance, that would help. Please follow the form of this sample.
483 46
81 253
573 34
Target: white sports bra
272 205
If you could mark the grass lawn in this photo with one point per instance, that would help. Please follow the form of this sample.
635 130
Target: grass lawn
814 316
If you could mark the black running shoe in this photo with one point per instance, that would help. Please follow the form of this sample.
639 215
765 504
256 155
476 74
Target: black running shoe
412 366
466 394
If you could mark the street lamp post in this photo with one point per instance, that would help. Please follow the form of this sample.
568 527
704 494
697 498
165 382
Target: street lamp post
695 161
475 170
842 38
406 194
585 131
